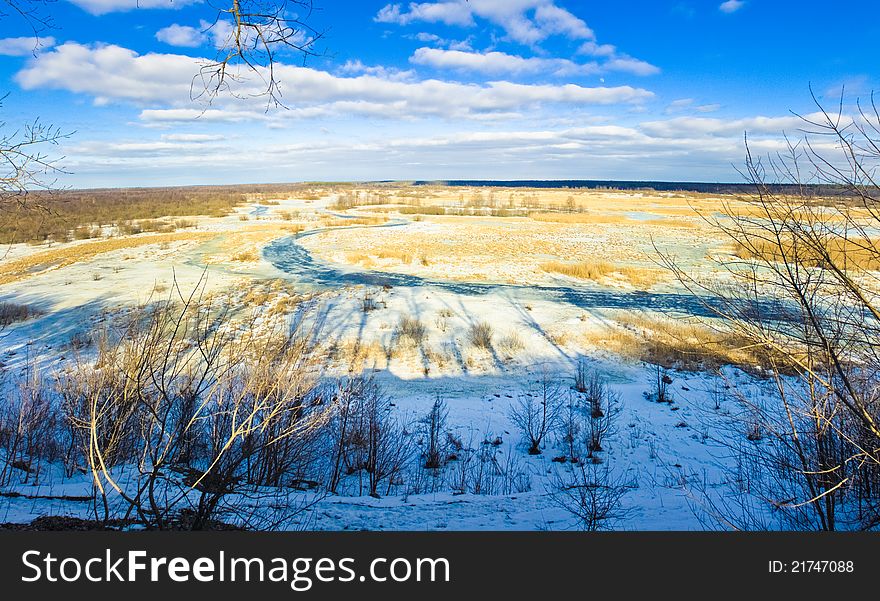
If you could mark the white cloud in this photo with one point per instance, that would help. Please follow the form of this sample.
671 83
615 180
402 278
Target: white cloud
448 13
731 6
688 105
524 21
555 20
110 72
354 67
679 105
25 45
496 63
163 81
593 49
631 65
102 7
601 151
181 35
193 137
684 127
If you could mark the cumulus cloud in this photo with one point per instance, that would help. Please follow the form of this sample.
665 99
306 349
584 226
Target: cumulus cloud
496 63
593 49
524 21
707 127
108 73
731 6
631 65
103 7
181 35
356 67
25 45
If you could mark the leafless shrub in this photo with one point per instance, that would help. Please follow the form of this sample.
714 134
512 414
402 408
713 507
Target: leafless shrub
589 416
27 430
201 414
535 411
11 313
434 429
660 384
370 445
592 494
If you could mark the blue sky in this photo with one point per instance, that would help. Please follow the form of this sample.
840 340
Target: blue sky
486 89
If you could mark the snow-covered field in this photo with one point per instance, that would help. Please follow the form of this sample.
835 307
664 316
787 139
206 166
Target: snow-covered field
660 452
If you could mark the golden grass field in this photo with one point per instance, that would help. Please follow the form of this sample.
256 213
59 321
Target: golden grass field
524 236
606 238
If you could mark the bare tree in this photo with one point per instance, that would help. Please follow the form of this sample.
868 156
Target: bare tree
535 411
182 414
592 494
802 289
250 36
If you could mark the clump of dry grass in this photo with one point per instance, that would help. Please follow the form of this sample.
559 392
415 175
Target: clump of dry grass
410 329
356 354
247 256
480 335
510 344
640 277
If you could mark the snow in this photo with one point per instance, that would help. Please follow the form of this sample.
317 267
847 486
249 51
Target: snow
656 448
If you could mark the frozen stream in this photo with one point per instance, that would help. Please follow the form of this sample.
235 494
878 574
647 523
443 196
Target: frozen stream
287 255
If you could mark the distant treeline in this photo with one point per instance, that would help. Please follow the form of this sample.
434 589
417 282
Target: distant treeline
70 214
702 187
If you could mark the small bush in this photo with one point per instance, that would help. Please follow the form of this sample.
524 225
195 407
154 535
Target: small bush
13 312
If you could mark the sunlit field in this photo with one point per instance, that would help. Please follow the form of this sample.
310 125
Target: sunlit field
458 313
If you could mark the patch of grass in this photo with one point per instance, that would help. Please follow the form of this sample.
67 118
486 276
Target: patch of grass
688 344
847 254
17 269
247 256
597 271
338 222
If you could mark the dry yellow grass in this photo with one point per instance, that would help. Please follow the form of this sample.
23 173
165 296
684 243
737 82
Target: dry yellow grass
610 219
406 257
848 254
14 270
599 271
339 222
683 344
578 218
